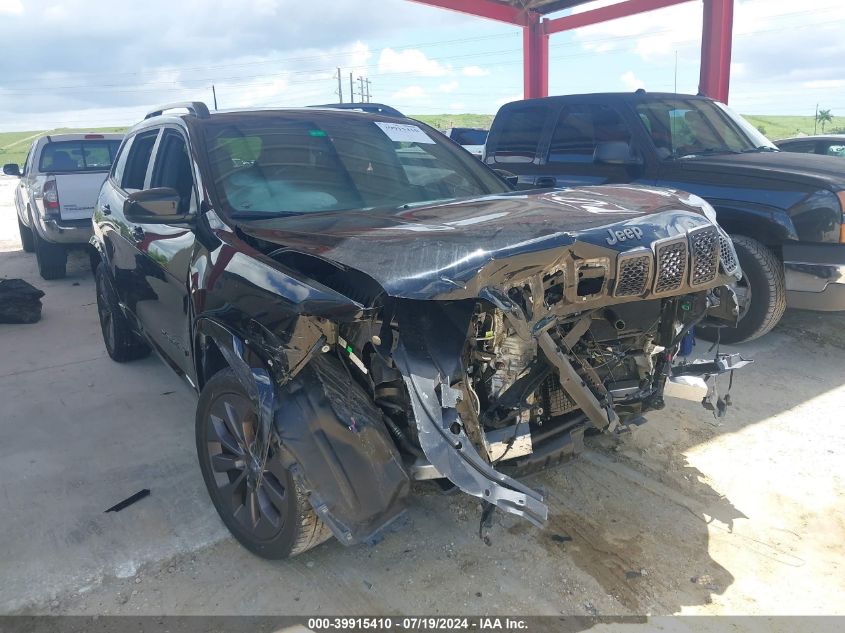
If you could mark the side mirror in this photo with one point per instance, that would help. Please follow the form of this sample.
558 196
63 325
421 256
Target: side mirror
615 153
508 177
154 206
12 169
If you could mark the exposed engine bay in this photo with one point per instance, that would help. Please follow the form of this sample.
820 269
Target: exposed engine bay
489 351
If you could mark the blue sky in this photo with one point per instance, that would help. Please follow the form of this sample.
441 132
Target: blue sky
108 62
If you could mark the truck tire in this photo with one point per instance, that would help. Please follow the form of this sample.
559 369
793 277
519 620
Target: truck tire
269 515
122 343
51 258
763 285
26 237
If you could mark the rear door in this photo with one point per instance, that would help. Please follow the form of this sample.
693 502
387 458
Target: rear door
130 174
79 167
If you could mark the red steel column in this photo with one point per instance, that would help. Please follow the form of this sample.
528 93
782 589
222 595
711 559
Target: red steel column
716 39
535 58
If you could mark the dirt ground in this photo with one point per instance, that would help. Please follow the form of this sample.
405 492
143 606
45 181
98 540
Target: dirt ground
683 515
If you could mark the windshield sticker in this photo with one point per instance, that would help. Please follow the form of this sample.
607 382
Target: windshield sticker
404 133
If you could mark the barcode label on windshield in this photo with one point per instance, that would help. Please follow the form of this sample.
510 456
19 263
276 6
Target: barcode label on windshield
404 133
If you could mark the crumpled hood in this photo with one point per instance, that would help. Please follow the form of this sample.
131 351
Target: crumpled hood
821 171
451 250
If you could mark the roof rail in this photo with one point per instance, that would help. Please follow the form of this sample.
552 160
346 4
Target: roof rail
197 108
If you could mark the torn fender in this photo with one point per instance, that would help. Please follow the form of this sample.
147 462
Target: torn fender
337 446
428 355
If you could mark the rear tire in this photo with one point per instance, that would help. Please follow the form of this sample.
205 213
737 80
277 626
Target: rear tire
122 343
763 285
51 258
269 515
26 237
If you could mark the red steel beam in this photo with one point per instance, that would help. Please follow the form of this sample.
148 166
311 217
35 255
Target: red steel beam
603 14
482 8
535 59
716 40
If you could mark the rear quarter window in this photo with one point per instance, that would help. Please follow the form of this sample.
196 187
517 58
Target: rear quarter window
74 156
518 131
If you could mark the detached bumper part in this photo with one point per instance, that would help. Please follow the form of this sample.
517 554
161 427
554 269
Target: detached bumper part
815 276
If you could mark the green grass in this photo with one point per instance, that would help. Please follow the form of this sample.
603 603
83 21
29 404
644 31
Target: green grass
15 145
445 121
778 127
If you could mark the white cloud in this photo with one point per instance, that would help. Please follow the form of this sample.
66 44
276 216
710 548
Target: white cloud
410 92
475 71
11 7
457 106
450 86
411 60
631 82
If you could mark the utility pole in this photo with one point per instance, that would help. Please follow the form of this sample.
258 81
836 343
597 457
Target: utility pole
361 88
816 120
351 89
368 82
676 72
339 87
214 94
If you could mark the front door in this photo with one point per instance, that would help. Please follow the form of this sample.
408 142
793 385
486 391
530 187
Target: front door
166 252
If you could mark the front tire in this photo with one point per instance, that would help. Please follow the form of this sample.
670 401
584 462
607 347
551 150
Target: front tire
122 343
264 508
51 258
761 293
27 241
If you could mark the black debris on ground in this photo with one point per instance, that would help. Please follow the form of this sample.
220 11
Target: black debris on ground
20 302
130 500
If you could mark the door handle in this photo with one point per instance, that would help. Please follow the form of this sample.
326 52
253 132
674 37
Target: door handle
544 182
138 233
106 209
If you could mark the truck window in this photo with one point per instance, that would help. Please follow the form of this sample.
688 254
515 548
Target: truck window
86 155
173 168
138 160
805 147
580 127
837 149
519 132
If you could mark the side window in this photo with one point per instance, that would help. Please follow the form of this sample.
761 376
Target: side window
519 133
119 164
580 127
137 161
805 147
835 149
173 168
27 164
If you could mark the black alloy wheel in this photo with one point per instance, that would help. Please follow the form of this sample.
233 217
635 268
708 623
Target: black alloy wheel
253 492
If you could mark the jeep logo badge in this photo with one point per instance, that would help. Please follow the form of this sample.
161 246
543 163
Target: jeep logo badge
632 233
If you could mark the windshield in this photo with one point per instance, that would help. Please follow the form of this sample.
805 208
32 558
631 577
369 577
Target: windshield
683 127
291 163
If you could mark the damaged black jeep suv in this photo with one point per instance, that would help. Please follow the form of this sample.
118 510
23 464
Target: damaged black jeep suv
360 303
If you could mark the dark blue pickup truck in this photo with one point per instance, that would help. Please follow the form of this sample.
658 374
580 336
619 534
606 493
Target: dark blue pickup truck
784 210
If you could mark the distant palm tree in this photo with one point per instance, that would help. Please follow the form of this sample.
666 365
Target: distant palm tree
824 116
